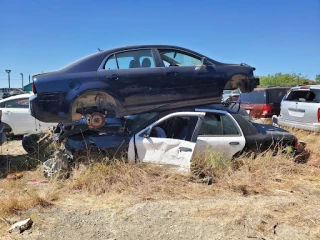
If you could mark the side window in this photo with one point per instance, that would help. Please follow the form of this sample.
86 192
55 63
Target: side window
17 103
111 63
2 105
229 128
175 58
211 125
131 59
175 127
255 97
218 125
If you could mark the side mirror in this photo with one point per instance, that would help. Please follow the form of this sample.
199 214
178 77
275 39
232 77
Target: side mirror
147 133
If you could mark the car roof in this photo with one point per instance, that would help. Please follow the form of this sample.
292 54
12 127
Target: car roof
94 60
268 88
304 87
17 97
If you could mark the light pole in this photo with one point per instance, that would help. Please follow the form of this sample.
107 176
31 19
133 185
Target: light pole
22 79
29 78
8 71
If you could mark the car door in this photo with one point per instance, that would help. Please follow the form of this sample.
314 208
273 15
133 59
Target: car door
154 143
135 76
16 114
220 134
188 79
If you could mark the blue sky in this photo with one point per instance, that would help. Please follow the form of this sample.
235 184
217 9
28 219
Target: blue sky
273 36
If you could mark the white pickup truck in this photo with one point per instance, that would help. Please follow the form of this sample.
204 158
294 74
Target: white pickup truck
16 116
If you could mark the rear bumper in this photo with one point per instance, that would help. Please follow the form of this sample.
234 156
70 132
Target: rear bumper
299 125
48 110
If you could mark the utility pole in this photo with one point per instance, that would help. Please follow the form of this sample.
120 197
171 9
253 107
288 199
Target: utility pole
29 78
22 79
8 71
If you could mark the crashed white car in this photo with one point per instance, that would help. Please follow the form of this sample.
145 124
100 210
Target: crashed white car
172 139
16 116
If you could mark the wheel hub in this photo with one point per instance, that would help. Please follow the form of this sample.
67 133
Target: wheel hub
95 120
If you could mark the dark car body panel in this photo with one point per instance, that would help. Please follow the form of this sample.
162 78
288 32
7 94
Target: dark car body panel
136 90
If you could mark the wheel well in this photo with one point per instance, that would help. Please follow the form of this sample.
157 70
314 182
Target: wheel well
99 100
237 81
6 127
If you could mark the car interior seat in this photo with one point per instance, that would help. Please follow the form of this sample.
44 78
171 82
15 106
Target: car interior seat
146 63
158 132
134 64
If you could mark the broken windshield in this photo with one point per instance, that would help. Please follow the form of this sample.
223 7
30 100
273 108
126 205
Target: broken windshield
133 122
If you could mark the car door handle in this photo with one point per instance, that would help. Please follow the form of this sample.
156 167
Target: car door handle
172 73
234 143
185 149
7 112
113 77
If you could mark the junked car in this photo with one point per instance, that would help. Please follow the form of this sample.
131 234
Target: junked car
263 102
132 80
16 117
172 137
300 108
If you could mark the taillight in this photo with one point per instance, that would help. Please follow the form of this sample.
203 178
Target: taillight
266 109
318 114
34 90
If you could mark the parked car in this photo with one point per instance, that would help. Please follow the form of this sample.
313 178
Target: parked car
172 136
2 133
16 116
300 108
131 80
263 102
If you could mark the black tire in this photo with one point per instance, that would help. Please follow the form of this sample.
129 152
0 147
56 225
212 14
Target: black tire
29 143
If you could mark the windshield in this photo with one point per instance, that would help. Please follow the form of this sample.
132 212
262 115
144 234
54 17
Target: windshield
133 122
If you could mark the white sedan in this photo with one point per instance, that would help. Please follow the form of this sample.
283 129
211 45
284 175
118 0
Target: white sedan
16 116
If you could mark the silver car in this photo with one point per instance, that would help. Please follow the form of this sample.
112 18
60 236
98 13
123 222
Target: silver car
300 108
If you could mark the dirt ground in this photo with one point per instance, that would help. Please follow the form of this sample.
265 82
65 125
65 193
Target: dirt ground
283 213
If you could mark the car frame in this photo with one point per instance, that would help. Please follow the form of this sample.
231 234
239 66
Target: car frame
94 89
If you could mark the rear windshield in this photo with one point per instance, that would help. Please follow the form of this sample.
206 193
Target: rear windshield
312 95
255 97
276 95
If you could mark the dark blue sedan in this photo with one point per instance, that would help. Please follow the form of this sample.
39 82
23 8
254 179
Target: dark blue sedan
136 79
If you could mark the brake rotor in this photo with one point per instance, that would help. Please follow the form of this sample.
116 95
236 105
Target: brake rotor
95 120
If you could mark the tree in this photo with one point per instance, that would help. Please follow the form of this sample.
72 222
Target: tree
318 79
286 79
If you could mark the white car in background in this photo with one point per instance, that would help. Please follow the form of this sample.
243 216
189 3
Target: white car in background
16 116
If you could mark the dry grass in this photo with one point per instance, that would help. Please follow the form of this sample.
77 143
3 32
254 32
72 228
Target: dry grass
262 174
145 181
18 195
